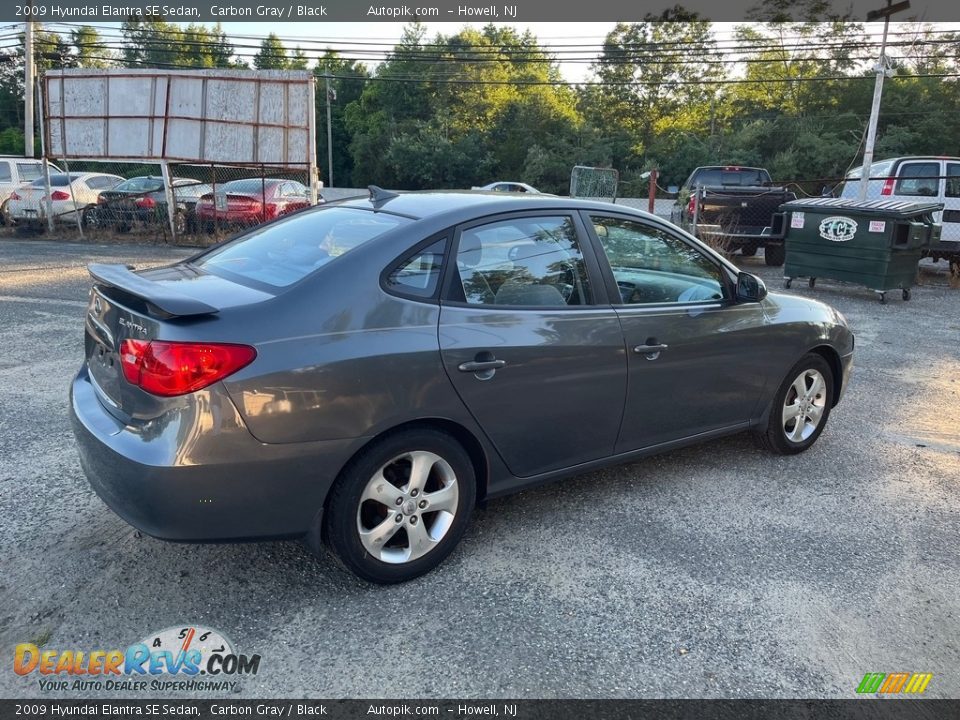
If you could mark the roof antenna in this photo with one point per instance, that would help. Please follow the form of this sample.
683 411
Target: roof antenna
378 195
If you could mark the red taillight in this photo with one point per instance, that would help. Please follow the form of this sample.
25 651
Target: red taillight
147 203
270 210
59 195
14 196
177 368
692 205
887 187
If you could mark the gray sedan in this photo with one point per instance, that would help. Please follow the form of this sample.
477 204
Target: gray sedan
362 374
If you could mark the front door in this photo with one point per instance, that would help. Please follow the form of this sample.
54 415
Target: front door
536 360
695 358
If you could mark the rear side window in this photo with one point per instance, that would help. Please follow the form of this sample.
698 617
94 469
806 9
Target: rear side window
418 275
921 179
953 180
283 252
5 172
29 171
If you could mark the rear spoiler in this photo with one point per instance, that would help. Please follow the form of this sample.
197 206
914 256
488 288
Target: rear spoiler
161 297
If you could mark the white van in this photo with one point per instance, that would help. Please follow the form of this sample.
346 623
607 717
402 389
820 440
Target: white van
918 179
16 171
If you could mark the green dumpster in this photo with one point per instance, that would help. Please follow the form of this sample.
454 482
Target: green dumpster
875 243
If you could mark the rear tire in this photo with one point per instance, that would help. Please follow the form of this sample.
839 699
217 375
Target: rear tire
774 255
800 408
378 522
749 250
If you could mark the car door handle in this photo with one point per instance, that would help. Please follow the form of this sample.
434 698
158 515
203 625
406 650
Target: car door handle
652 351
476 366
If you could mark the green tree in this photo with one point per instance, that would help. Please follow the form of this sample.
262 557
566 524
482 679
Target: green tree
272 55
346 86
89 49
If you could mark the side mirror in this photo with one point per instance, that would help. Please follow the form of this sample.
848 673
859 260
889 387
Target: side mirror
750 288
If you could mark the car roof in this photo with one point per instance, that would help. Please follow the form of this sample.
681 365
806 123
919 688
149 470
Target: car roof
902 158
470 203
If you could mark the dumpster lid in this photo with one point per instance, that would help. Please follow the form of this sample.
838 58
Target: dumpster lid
896 209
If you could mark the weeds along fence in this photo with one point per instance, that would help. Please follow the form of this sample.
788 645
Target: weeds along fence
200 205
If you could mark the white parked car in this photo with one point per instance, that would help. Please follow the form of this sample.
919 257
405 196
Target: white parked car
508 187
78 192
16 171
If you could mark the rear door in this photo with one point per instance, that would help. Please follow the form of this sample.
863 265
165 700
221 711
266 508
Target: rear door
951 206
919 180
530 342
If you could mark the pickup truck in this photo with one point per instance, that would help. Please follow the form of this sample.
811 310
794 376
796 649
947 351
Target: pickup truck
733 206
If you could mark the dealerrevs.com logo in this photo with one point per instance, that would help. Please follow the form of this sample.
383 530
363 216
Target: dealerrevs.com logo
190 658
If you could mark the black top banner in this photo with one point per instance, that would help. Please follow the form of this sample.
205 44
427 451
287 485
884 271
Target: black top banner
462 11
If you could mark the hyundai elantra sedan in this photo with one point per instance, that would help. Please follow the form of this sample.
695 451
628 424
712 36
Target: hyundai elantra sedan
363 373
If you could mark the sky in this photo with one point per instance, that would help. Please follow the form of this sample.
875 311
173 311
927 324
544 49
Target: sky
312 35
314 38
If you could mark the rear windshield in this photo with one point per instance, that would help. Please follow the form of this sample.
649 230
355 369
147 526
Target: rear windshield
740 176
879 171
58 180
253 185
284 252
140 184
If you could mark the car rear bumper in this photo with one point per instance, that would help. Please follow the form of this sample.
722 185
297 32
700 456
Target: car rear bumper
197 475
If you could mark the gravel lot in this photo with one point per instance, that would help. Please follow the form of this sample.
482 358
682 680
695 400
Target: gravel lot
716 571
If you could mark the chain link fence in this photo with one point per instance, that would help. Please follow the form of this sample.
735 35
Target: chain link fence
104 201
594 182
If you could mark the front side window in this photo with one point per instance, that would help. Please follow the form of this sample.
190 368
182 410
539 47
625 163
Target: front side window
528 261
283 252
652 266
921 179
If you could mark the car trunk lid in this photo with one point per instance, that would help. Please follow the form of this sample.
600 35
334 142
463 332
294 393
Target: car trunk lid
143 306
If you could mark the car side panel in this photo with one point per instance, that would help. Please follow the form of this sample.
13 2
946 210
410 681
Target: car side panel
367 368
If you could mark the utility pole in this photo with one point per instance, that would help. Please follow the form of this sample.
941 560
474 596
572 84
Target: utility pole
884 13
326 78
29 75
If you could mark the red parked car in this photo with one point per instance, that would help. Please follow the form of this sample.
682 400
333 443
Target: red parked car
250 202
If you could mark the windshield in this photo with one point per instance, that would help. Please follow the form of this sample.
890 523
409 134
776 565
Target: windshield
284 252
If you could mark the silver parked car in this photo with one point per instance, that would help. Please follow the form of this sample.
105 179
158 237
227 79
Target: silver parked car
361 374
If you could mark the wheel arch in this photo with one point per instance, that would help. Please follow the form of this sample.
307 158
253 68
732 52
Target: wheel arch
469 442
832 357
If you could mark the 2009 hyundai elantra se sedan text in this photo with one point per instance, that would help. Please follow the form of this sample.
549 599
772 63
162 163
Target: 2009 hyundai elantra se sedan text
363 373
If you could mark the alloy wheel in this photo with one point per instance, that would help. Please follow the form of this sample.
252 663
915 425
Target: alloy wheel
804 405
407 507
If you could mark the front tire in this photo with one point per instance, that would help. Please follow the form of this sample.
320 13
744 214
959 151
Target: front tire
800 408
399 509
